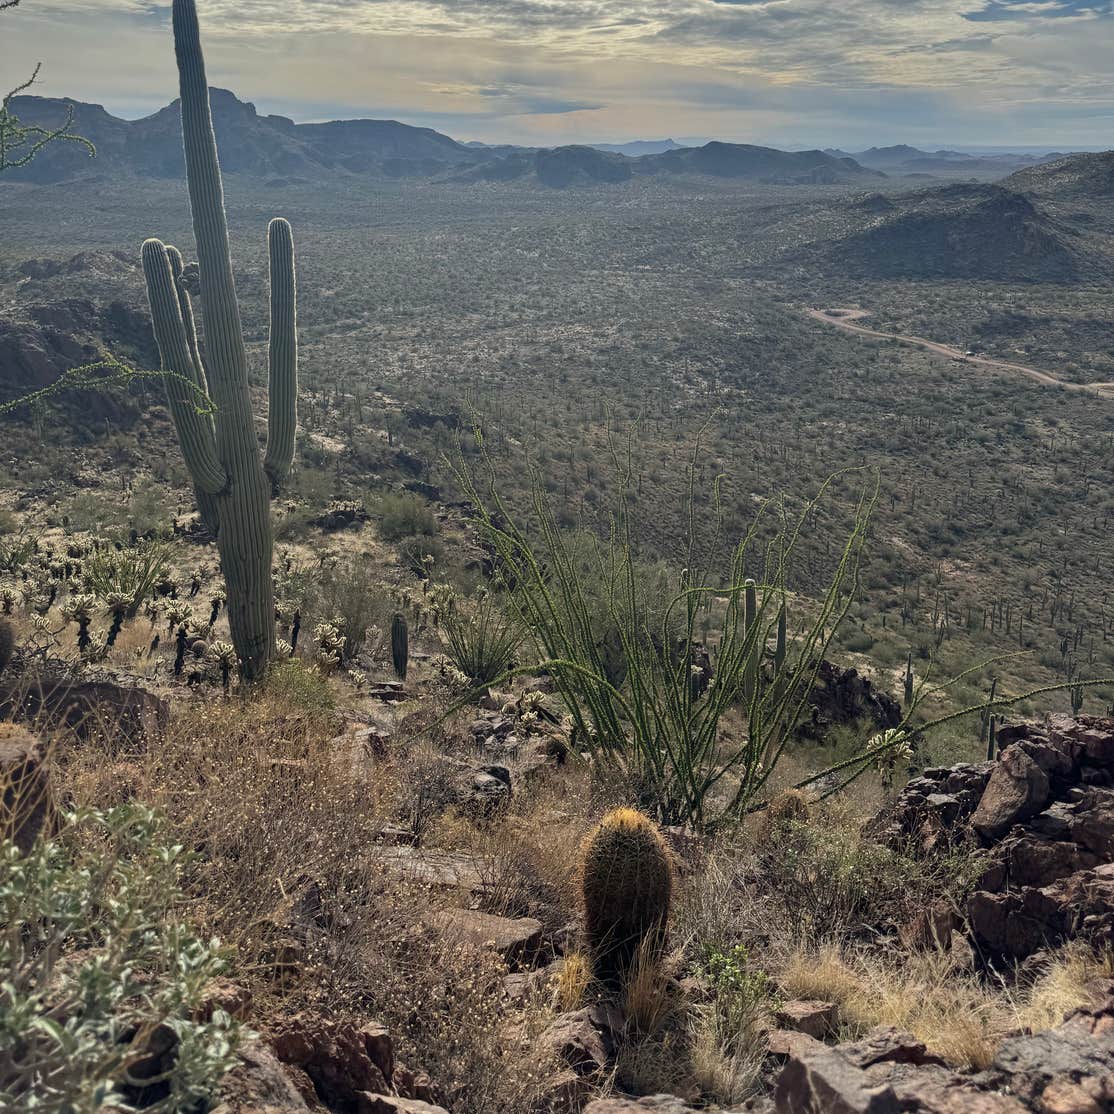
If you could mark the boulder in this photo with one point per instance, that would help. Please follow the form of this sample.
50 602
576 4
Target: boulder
661 1104
118 711
393 1104
1017 790
516 941
259 1084
342 1060
824 1082
584 1040
815 1019
27 804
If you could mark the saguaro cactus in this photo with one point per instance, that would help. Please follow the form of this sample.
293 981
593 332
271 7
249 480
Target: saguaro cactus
233 484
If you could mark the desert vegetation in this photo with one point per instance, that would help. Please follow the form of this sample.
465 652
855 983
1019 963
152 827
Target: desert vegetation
607 682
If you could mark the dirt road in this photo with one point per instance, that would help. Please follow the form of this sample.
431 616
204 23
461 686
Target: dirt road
846 319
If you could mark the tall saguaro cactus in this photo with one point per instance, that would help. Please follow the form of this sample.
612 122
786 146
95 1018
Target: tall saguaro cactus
221 450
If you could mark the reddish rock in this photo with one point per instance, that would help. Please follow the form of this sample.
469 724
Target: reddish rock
783 1043
1092 824
259 1084
930 928
823 1082
1018 789
815 1019
654 1104
392 1104
887 1044
335 1055
584 1040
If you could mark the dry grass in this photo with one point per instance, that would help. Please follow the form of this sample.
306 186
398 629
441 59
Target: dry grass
1068 983
573 982
286 874
958 1016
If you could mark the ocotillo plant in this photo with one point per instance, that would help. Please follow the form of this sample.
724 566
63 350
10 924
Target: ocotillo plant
217 437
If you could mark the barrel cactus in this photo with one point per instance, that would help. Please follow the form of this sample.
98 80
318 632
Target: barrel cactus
209 398
626 886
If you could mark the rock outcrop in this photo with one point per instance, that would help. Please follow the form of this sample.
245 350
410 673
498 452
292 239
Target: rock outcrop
1044 813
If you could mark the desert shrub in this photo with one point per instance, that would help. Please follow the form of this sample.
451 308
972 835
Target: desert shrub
302 689
405 515
479 639
348 596
419 552
824 881
149 511
726 1042
94 960
16 550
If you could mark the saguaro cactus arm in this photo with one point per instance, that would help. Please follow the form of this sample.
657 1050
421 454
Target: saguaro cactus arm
194 426
177 269
282 417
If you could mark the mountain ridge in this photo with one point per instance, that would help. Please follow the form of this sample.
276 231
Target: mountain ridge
276 148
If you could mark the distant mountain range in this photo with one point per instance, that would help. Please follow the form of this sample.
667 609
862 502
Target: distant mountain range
277 151
905 161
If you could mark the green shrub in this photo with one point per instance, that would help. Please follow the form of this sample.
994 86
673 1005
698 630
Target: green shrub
96 966
348 597
419 552
302 688
405 515
651 708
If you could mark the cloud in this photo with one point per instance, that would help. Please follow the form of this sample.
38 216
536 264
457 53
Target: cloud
793 71
1018 10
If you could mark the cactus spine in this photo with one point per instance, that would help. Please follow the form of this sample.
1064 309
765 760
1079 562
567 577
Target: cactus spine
400 646
626 886
233 485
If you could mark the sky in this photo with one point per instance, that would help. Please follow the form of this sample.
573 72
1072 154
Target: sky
790 73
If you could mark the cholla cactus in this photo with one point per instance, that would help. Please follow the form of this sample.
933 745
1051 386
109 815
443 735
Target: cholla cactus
79 609
225 655
177 615
8 598
118 605
234 487
330 644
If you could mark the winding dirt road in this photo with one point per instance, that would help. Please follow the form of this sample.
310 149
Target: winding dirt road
846 319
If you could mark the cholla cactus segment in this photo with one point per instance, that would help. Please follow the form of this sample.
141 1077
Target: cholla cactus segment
79 608
117 603
893 745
